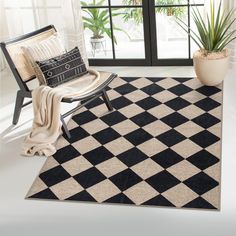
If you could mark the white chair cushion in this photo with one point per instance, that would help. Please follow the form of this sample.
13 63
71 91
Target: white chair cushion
44 50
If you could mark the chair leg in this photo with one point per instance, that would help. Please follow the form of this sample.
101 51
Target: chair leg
106 100
18 107
65 129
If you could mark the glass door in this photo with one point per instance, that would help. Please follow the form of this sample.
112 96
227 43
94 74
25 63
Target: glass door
116 32
138 32
172 45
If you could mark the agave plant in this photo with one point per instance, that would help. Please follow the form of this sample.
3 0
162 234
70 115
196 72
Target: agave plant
98 20
215 33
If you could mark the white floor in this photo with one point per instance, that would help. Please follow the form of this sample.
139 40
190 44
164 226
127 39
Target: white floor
36 217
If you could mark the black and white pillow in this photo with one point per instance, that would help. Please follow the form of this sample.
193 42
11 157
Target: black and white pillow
63 68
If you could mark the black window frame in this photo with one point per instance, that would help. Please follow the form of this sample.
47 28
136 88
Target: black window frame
150 37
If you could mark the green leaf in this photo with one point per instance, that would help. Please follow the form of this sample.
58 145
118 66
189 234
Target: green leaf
98 19
214 33
194 38
83 3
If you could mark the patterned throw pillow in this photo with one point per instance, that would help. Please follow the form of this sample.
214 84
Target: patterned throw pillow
43 50
63 68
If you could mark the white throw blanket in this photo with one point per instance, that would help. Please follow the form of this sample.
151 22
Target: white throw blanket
46 104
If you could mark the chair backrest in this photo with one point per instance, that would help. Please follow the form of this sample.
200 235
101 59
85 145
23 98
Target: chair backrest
12 49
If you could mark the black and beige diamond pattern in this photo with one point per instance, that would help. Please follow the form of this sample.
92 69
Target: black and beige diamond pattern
160 146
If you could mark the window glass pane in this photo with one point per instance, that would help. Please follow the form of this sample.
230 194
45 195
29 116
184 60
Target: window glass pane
197 1
126 2
94 2
170 2
194 46
97 33
128 32
172 41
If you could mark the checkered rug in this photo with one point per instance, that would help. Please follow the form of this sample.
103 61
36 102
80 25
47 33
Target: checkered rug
160 146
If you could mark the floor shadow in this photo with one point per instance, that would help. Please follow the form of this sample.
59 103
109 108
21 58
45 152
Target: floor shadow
12 130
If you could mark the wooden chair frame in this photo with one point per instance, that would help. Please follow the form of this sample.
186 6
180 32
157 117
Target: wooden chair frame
25 92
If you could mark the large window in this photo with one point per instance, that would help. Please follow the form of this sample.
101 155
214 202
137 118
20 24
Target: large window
138 32
173 45
114 31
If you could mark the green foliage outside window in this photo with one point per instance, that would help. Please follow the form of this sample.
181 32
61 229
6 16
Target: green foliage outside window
137 15
98 21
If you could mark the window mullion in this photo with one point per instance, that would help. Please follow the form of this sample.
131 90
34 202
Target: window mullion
111 27
189 25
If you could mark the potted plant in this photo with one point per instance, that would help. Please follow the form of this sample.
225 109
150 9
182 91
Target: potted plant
211 61
98 23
